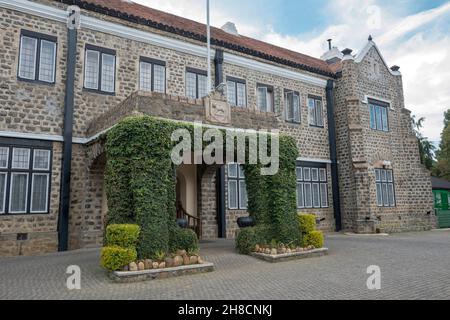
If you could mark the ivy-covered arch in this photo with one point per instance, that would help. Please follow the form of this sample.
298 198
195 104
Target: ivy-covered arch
141 185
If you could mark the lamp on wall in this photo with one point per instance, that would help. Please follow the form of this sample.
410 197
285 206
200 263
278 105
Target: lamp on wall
386 164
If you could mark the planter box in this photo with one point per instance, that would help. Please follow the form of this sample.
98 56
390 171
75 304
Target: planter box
155 274
291 256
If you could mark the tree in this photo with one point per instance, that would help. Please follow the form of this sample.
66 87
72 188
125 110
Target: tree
442 168
426 148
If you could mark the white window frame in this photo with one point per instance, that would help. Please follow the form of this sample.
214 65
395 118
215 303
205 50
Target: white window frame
26 193
98 69
238 178
268 92
101 52
307 180
54 61
319 121
7 157
46 195
102 88
384 183
231 81
48 160
12 159
35 57
287 106
197 75
153 64
4 192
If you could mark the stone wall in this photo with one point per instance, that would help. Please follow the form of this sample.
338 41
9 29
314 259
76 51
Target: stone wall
361 150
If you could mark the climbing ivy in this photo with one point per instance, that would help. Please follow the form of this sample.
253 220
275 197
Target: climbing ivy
141 184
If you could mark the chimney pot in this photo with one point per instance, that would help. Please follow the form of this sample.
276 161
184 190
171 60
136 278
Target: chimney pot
347 52
395 68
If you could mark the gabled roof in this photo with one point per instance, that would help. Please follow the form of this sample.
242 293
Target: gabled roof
440 184
136 13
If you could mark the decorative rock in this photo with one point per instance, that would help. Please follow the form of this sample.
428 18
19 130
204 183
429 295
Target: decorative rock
155 265
186 260
162 265
126 268
169 262
193 260
268 251
141 266
283 250
288 251
257 248
273 252
133 266
181 252
200 260
178 261
148 264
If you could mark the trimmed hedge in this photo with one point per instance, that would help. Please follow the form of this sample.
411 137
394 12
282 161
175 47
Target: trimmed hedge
313 238
246 240
306 222
122 235
114 258
184 239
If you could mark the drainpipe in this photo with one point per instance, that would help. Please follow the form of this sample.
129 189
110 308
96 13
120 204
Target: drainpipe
333 155
220 197
73 23
218 63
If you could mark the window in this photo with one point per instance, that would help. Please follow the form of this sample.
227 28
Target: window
265 98
292 104
385 188
315 109
100 69
236 92
152 75
37 58
312 186
237 189
196 83
24 176
378 116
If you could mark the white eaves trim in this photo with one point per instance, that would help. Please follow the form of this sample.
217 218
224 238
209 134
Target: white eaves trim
41 136
314 160
155 39
360 56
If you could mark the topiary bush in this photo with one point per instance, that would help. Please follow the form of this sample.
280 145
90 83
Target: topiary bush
306 223
184 239
114 258
246 240
122 235
313 238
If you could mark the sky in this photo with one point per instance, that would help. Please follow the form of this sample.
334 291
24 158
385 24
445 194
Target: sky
413 34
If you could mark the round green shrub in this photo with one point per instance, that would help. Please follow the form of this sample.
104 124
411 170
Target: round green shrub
114 258
184 239
122 235
246 240
314 238
306 222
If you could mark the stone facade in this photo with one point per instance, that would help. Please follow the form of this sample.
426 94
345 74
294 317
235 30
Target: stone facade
36 110
361 150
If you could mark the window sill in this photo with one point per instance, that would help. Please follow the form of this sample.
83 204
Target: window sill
317 127
39 82
99 92
22 214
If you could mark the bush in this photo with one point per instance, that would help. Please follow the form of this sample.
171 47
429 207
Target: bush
307 223
114 258
246 240
313 238
184 239
122 235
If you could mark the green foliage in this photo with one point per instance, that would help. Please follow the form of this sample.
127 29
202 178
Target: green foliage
426 147
122 235
184 239
306 222
313 238
442 168
246 240
114 258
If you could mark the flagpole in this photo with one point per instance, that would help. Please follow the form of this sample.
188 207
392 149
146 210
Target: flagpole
208 36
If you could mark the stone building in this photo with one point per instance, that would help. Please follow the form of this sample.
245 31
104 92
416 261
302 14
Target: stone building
65 81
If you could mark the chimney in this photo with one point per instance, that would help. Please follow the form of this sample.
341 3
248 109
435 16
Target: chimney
230 28
333 54
347 54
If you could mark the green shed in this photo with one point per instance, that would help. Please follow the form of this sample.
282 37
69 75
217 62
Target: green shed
441 192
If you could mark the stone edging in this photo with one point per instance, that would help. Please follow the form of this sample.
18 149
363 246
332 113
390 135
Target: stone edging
290 256
137 276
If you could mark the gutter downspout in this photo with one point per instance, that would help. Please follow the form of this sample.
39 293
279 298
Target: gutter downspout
218 66
63 219
333 154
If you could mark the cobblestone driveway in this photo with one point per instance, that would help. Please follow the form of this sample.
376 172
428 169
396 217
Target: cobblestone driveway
414 266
